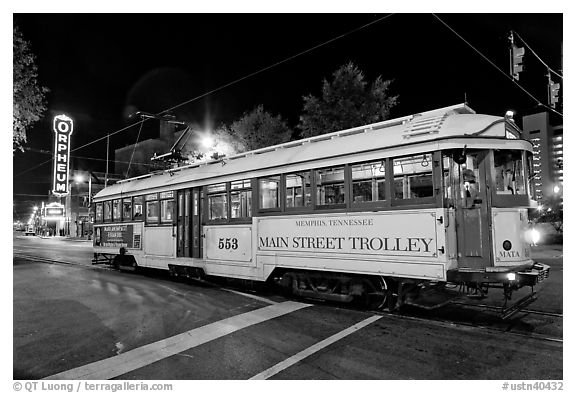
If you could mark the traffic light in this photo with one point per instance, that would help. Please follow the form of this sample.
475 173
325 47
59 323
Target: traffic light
553 89
516 55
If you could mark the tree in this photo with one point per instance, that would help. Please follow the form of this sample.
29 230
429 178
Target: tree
224 143
28 96
347 101
258 129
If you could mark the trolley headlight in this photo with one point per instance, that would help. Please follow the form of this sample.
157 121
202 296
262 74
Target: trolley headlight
511 276
534 235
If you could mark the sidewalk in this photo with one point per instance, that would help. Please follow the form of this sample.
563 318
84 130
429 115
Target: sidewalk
65 238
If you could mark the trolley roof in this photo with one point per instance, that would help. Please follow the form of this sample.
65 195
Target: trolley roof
456 121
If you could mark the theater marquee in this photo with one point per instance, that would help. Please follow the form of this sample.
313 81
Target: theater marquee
63 127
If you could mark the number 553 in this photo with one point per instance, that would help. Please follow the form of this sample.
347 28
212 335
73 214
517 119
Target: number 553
229 243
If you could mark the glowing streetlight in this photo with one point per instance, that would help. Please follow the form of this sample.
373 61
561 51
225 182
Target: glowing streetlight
207 141
556 189
78 178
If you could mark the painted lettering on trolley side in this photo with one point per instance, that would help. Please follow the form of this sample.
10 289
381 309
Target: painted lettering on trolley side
410 244
335 222
508 254
356 243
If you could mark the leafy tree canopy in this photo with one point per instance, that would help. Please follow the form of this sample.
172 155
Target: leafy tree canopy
347 101
259 128
224 143
28 96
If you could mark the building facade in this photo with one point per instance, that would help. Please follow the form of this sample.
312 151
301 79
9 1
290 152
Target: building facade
548 143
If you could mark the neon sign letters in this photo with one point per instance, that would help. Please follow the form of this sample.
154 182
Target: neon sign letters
63 127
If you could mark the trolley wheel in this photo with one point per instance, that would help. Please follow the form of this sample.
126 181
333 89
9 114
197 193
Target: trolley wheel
116 262
376 292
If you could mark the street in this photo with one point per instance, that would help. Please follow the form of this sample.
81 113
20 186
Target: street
73 320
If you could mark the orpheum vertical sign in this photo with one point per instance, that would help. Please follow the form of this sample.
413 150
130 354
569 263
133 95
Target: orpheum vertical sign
63 128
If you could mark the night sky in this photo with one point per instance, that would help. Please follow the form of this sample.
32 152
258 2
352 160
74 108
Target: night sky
102 67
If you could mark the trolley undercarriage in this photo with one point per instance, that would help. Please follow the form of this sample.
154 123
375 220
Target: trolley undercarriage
378 292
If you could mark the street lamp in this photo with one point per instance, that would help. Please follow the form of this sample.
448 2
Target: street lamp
207 141
79 178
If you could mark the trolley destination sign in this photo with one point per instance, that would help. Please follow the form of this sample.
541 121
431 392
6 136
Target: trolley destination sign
118 236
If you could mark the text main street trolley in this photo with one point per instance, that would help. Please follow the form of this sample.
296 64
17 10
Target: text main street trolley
383 213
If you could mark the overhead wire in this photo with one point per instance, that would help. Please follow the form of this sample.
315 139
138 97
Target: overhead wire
536 55
221 87
83 157
498 68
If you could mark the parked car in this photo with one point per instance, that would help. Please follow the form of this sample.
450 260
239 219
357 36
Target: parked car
29 231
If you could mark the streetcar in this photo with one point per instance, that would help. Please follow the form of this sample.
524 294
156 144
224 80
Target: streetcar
386 214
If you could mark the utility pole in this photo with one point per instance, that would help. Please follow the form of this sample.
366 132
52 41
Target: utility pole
107 155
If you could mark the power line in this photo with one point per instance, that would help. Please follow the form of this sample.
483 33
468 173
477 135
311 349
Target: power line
498 68
276 64
133 150
538 57
221 87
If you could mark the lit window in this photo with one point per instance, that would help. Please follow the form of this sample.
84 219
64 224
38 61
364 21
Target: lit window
99 214
217 202
152 208
241 199
166 206
116 210
108 211
268 192
368 182
127 209
413 177
138 210
329 186
166 210
508 172
298 190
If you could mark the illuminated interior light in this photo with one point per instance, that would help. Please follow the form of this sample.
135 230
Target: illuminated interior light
535 235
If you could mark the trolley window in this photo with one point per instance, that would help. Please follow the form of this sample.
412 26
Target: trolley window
268 192
508 172
369 182
241 199
298 190
166 207
138 208
217 202
330 190
533 175
126 209
98 214
413 177
107 210
116 210
152 209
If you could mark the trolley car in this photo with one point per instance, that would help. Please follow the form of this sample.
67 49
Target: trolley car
385 214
